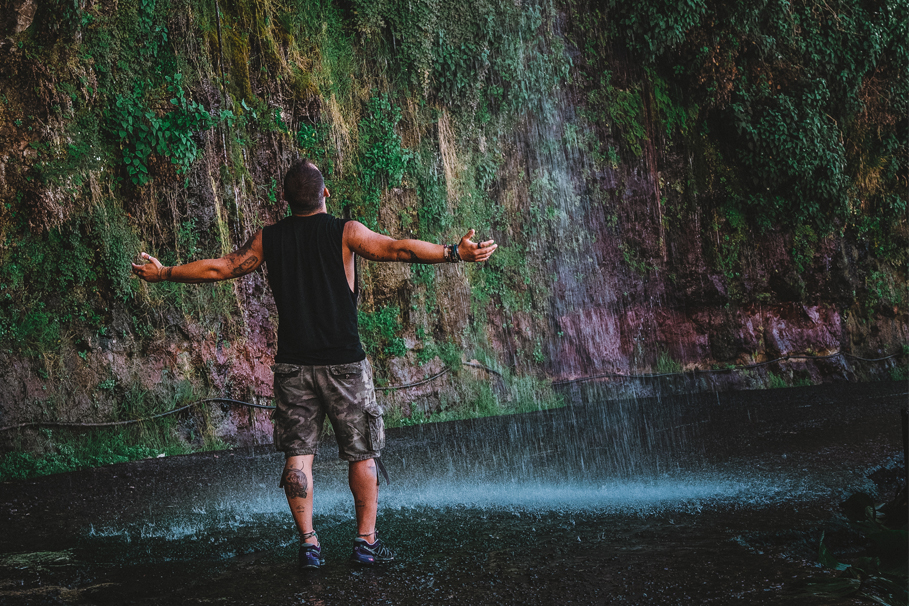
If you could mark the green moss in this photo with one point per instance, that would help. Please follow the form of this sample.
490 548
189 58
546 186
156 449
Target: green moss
238 45
380 333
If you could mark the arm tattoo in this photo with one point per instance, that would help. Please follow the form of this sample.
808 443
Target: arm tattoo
244 267
240 265
413 256
295 483
245 248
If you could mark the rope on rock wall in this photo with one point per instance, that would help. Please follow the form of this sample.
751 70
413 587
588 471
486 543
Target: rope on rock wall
228 401
696 371
446 371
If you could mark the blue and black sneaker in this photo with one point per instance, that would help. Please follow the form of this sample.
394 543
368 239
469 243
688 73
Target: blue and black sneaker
310 555
368 554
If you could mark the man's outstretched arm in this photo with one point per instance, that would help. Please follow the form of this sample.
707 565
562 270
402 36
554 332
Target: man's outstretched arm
238 263
377 247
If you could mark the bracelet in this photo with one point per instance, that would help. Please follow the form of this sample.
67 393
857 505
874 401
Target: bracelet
451 254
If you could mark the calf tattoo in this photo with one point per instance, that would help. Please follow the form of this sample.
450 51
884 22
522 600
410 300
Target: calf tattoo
294 483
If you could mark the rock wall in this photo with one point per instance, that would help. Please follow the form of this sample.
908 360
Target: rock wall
166 126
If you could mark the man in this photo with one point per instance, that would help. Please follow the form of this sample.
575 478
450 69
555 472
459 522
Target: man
320 368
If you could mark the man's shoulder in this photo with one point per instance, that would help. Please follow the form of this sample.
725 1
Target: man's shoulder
276 224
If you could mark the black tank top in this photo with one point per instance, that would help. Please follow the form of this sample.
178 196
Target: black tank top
317 312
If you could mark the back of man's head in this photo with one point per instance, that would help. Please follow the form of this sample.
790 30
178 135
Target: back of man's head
304 188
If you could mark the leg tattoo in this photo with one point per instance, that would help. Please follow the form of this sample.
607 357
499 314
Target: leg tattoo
295 483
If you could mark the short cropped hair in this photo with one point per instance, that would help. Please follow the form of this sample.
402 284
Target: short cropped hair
304 187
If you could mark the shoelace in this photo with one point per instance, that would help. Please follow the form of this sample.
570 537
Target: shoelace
380 550
377 548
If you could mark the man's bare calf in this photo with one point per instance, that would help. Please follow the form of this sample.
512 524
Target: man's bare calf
296 480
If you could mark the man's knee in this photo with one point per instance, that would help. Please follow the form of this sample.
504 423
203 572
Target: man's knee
295 483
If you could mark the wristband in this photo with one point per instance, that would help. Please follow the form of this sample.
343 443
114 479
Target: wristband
451 253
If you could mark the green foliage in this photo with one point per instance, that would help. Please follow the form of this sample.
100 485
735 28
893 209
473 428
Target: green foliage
665 364
879 574
187 240
56 279
803 243
505 281
383 160
883 289
379 332
899 372
449 353
46 281
793 155
321 28
471 56
69 169
729 246
675 117
433 213
634 261
116 244
71 453
620 107
315 145
775 381
800 86
169 133
656 26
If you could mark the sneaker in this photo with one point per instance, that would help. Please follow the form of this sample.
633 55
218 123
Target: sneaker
368 554
311 556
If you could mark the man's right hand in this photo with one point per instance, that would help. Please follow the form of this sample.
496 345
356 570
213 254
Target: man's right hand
152 271
238 263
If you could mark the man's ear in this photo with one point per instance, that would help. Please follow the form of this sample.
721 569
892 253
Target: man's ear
327 195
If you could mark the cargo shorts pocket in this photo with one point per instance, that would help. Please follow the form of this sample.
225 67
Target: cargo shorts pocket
285 371
376 427
283 385
346 372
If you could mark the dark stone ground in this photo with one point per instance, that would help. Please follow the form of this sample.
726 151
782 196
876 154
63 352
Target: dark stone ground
707 499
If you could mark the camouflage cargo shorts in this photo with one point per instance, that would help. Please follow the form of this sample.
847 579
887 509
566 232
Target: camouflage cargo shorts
344 392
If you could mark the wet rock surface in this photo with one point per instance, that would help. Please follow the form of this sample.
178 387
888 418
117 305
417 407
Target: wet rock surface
717 498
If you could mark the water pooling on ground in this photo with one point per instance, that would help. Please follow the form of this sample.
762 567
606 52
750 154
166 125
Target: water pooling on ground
558 503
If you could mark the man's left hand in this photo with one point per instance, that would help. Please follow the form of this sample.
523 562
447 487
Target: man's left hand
473 252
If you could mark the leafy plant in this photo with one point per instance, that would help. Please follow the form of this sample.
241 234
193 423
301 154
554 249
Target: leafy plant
775 381
880 575
169 133
384 160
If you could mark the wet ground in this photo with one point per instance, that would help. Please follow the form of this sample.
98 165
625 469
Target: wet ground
717 498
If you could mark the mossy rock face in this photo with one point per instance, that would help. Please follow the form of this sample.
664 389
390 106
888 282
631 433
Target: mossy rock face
788 287
609 156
